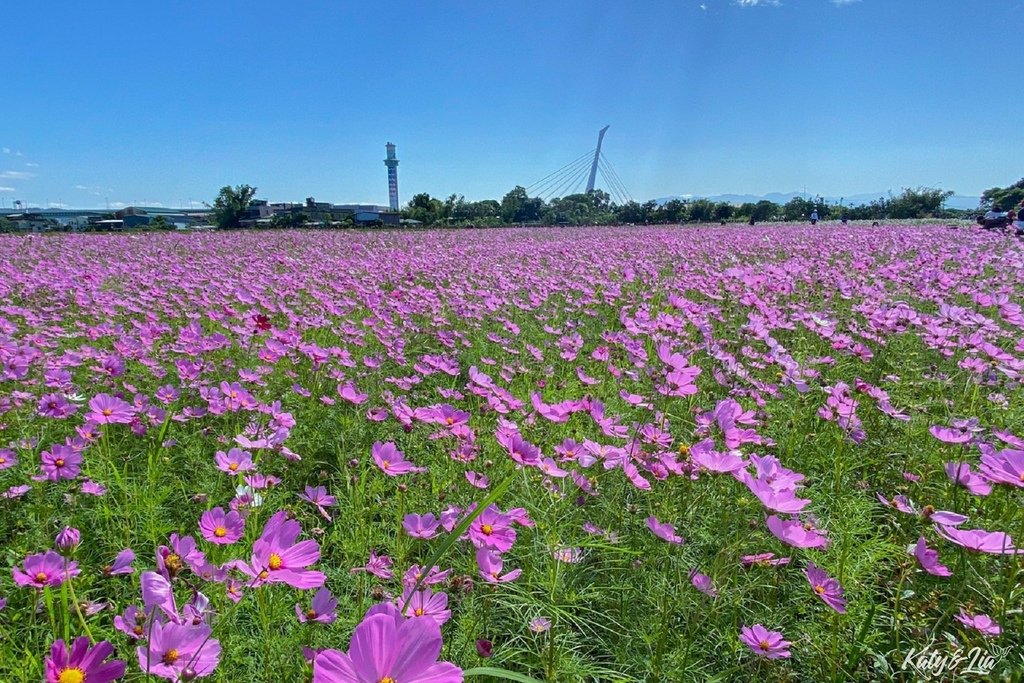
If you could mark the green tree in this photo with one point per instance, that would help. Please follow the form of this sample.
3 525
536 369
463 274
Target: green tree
6 225
1005 198
723 211
424 208
231 204
700 211
159 223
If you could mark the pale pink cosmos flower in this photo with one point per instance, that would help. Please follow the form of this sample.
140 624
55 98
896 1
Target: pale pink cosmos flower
929 559
664 530
796 533
980 540
982 623
960 473
765 643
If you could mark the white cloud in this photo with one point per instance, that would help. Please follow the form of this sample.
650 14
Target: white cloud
7 189
82 187
117 205
57 205
7 150
843 3
758 3
18 154
16 175
32 165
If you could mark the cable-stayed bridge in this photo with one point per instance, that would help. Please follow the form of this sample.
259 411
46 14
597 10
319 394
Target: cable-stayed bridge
582 173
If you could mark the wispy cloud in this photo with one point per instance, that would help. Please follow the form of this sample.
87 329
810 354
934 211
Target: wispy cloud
16 175
758 3
57 205
843 3
32 165
7 150
7 189
82 187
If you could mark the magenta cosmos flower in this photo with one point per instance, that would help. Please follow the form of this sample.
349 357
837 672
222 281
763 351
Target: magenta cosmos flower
981 623
317 495
391 461
44 569
278 558
82 664
425 603
492 530
960 472
491 566
765 643
378 565
323 609
1004 467
664 531
107 409
387 647
61 462
796 533
421 526
703 583
979 540
220 527
174 649
825 587
234 462
929 559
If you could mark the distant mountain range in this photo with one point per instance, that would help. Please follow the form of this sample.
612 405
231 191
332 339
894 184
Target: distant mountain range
954 202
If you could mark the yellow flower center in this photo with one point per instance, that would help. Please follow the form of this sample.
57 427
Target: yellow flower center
41 577
107 412
684 449
275 561
138 630
233 466
487 529
264 574
449 421
2 460
311 614
170 657
59 462
220 532
71 675
387 679
173 563
418 611
764 645
820 590
386 464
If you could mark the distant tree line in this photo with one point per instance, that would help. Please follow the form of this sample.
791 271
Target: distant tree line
597 208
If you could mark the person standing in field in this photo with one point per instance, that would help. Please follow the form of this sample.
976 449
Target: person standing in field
814 217
1019 223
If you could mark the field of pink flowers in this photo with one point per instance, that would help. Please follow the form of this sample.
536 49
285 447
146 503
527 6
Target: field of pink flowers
673 454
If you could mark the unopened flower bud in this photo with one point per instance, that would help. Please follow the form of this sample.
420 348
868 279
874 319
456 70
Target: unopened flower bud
68 539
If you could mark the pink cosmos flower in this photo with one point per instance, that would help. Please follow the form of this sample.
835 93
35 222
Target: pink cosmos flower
796 533
391 461
539 625
421 526
220 527
234 462
664 530
492 530
81 663
61 462
1004 467
704 454
478 480
56 406
414 573
826 588
378 565
122 563
132 623
387 647
702 582
44 569
323 609
277 557
982 623
106 409
8 458
351 394
491 565
949 434
317 495
763 560
765 643
960 473
929 559
777 500
174 648
980 540
424 603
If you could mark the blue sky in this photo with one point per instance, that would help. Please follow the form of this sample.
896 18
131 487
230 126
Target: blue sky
137 102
